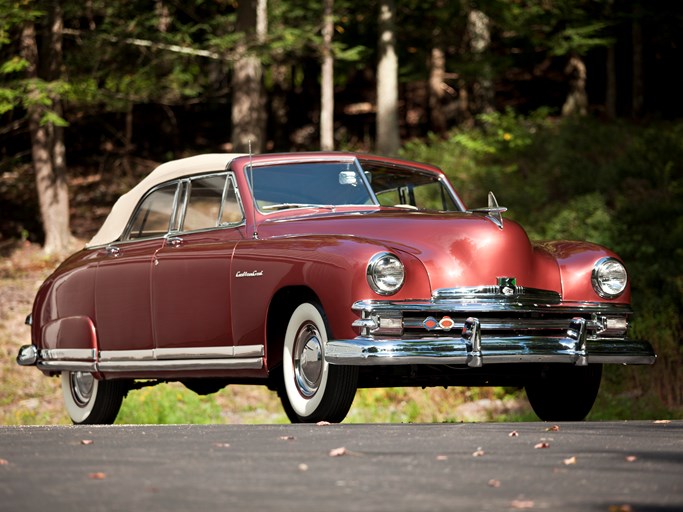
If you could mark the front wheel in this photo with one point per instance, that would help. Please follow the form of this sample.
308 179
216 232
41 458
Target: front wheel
564 392
312 389
90 401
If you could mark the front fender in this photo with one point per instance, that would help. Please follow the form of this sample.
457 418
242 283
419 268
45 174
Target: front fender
332 267
576 261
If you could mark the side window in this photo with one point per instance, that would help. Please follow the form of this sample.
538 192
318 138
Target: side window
204 203
232 211
153 216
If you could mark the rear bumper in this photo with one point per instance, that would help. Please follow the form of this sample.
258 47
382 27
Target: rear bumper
474 350
28 356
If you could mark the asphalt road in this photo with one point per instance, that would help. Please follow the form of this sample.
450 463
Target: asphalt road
610 467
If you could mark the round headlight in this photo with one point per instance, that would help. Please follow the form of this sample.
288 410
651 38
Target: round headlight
609 278
385 273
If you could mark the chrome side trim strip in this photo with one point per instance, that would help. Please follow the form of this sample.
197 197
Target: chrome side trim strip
194 352
69 366
254 363
61 354
183 353
126 355
249 351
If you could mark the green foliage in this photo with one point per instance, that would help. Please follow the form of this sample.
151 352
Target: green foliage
168 404
13 65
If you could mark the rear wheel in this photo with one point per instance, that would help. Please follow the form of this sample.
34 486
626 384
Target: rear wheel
564 392
313 390
90 401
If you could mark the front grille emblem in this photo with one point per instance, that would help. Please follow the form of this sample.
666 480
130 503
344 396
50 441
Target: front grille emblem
507 285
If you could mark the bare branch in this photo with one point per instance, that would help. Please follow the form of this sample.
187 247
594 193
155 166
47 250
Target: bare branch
146 43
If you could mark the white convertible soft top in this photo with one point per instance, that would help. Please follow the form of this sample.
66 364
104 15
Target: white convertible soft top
115 223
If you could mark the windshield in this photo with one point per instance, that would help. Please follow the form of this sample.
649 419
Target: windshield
315 184
409 188
332 184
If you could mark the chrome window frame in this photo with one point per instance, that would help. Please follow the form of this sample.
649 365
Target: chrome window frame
125 237
441 178
187 181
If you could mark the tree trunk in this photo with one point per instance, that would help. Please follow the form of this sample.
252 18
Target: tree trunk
47 139
479 32
327 81
437 73
388 140
248 96
279 106
577 99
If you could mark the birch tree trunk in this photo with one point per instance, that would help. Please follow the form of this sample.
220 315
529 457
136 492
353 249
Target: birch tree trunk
388 140
437 74
577 98
327 81
248 96
479 32
47 139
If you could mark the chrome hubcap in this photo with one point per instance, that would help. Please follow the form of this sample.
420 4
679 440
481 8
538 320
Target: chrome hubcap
82 384
308 360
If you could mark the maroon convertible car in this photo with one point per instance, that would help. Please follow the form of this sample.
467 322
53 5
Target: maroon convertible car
318 273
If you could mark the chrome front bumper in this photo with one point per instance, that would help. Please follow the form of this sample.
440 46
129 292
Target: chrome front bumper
499 331
462 351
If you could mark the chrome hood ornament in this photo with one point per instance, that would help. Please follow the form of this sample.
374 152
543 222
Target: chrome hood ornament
493 211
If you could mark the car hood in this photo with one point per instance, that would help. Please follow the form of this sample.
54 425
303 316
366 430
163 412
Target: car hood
457 249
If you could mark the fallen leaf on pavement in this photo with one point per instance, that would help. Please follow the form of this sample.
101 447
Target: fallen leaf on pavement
87 441
662 421
222 445
520 504
338 452
442 457
287 438
303 467
569 461
3 462
554 428
494 483
323 423
514 433
97 476
631 458
541 445
479 452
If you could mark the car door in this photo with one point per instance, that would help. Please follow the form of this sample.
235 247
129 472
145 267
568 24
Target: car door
122 295
191 273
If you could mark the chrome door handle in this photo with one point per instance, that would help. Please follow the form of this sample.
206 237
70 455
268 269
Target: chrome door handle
174 241
113 251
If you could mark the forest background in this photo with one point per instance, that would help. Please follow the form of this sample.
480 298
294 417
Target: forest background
570 110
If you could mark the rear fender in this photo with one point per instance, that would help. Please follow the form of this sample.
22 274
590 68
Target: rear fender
71 338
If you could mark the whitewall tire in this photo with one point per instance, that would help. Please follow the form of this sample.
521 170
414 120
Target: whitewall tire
313 390
91 401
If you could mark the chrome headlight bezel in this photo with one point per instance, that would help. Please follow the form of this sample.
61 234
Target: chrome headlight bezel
385 273
609 278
